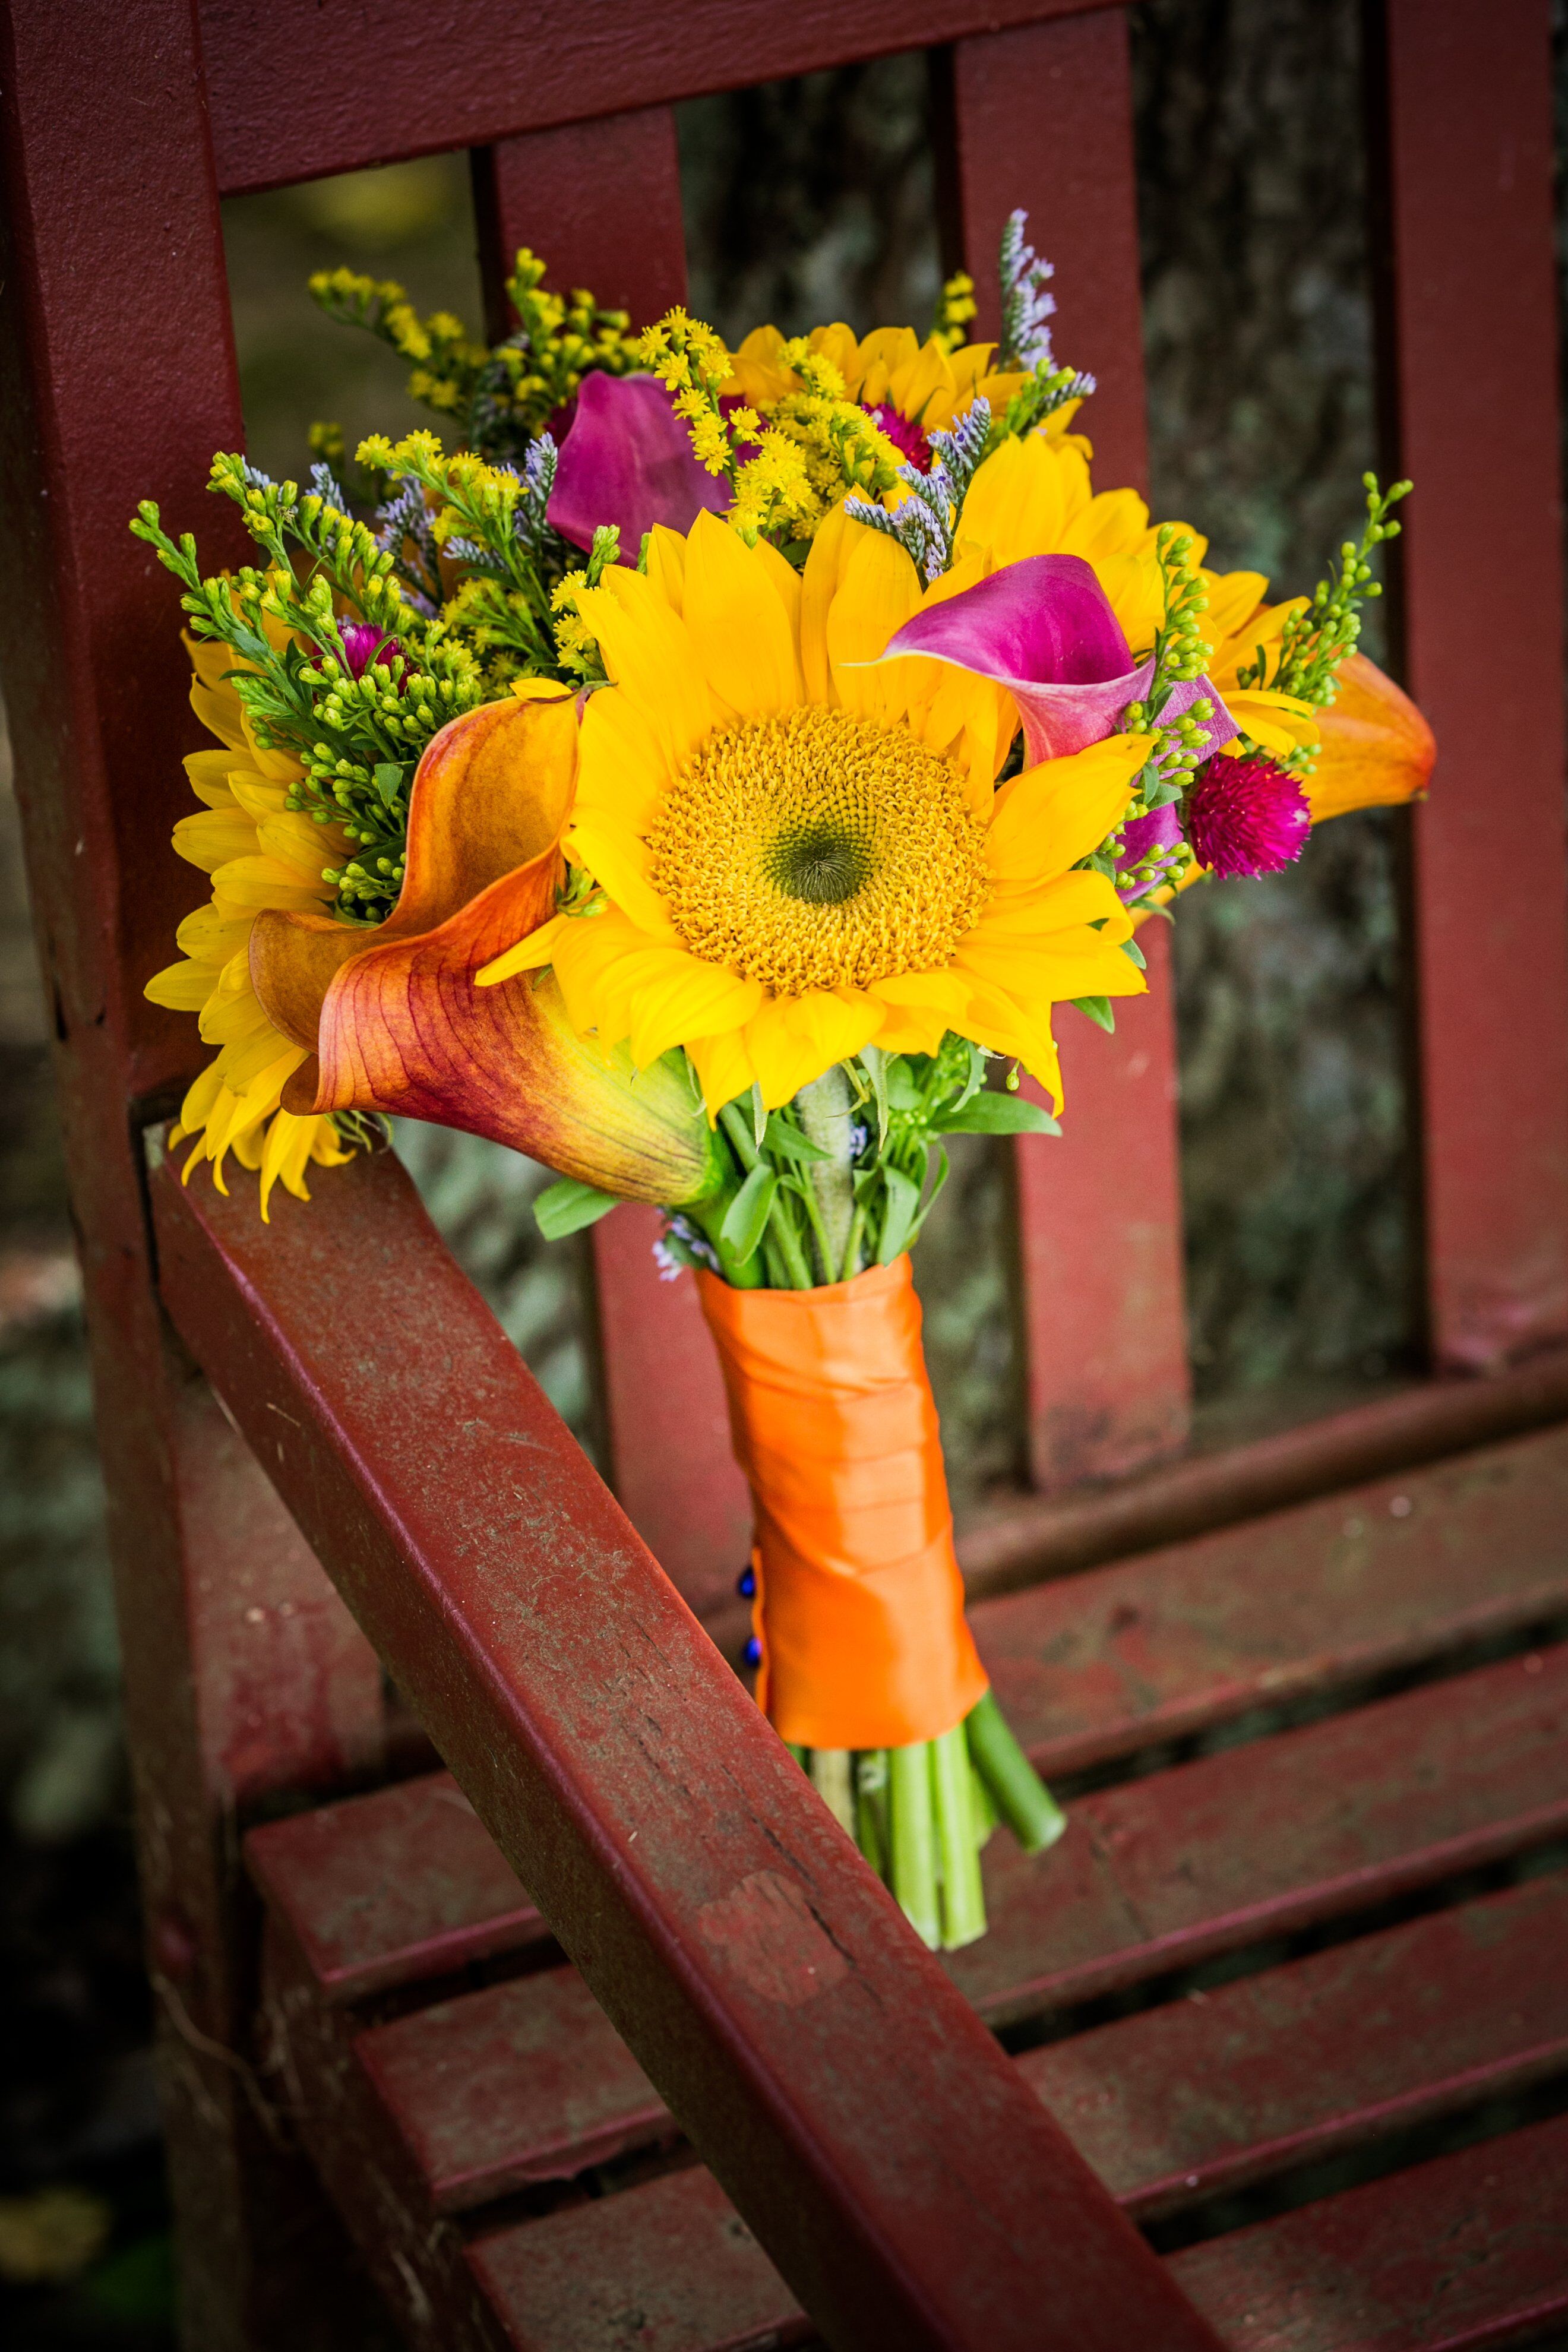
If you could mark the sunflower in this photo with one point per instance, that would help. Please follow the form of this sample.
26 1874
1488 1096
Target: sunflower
261 854
800 852
911 389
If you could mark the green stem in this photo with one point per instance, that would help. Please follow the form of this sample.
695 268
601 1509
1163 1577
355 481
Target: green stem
913 1840
790 1248
851 1266
962 1895
871 1808
1020 1796
825 1114
834 1783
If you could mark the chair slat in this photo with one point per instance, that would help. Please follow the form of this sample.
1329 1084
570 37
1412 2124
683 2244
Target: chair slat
1148 1878
1273 1835
387 1889
1472 251
1090 1668
1042 117
1364 2039
291 97
1303 1601
601 201
526 2082
1466 2251
1171 2105
666 1833
668 2267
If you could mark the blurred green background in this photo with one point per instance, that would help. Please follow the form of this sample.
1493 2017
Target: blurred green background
804 201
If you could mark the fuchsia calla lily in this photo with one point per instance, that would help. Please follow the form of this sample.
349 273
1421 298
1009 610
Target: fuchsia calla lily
627 459
1044 629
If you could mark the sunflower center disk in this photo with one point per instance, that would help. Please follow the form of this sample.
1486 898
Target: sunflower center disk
821 850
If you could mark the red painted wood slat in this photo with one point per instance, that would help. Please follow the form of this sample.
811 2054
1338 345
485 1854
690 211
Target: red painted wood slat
676 2256
526 2082
1097 1665
1271 1836
1366 2038
1172 2106
1149 1877
1019 1541
389 1888
117 383
1041 117
602 202
1469 110
1088 1668
291 98
857 2111
1358 2270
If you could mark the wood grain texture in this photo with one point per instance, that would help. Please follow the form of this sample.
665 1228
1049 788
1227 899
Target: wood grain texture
117 382
1469 108
1041 117
291 97
865 2123
1358 2270
602 202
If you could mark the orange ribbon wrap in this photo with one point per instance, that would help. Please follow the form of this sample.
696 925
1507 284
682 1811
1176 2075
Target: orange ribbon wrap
859 1603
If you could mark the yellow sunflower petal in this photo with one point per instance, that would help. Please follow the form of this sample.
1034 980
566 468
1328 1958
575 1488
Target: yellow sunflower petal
650 655
723 1067
180 987
740 626
878 593
1053 814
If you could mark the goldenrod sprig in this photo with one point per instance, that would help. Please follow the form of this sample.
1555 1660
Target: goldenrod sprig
955 308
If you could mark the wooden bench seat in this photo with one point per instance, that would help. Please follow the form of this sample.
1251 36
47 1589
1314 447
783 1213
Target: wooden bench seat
425 2019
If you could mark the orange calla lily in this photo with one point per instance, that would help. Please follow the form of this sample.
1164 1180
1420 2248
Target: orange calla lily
390 1014
1377 749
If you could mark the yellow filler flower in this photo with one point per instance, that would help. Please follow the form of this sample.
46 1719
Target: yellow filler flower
800 852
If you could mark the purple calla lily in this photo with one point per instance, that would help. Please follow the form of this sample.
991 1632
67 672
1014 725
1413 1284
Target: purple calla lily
1044 629
628 460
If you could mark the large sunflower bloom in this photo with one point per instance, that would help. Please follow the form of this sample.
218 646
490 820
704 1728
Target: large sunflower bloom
260 854
802 852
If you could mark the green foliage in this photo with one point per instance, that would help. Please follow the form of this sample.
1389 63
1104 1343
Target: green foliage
765 1223
1317 639
501 399
566 1206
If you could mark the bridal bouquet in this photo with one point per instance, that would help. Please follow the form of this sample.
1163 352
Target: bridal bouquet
709 776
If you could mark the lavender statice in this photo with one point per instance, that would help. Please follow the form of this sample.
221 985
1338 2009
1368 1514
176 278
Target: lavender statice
925 525
1026 304
406 529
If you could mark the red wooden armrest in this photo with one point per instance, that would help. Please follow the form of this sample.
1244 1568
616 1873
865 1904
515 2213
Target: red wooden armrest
848 2098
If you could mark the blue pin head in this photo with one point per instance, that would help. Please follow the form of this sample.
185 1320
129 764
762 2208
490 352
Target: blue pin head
746 1583
752 1652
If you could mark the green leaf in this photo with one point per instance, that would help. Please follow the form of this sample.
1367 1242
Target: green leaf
746 1218
759 1116
1099 1010
902 1092
1134 954
789 1143
566 1207
388 781
903 1202
997 1115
